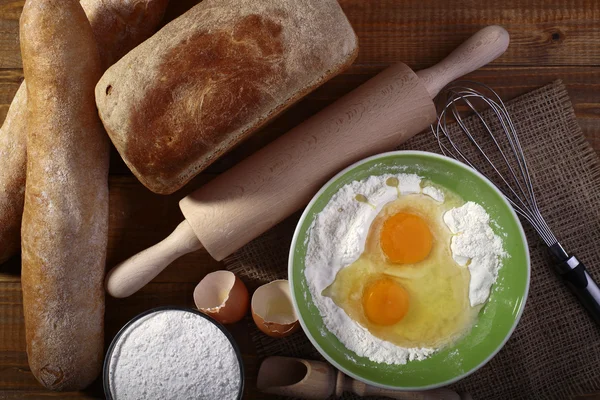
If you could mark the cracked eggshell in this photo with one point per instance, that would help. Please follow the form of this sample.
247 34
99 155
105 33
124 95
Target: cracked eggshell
273 311
223 296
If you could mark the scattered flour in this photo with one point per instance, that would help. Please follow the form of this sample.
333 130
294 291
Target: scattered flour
337 237
434 193
174 354
476 245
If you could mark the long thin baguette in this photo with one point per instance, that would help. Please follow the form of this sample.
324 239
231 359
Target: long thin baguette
65 218
119 26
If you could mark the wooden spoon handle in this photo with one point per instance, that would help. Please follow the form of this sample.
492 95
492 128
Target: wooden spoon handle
134 273
480 49
347 384
435 394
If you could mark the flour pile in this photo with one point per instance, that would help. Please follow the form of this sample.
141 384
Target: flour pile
337 238
476 245
174 354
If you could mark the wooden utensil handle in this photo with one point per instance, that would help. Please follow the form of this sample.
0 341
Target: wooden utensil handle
479 50
347 384
134 273
435 394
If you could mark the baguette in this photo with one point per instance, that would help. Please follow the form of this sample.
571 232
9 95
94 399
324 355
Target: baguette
65 218
213 76
119 26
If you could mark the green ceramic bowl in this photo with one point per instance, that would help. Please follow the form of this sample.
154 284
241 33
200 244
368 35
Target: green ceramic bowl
497 319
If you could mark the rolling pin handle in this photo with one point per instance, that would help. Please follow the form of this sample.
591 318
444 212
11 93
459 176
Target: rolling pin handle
134 273
480 49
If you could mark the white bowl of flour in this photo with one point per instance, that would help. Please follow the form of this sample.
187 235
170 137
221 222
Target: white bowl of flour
485 238
173 353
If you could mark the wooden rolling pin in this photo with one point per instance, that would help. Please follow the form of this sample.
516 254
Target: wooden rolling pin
306 379
278 180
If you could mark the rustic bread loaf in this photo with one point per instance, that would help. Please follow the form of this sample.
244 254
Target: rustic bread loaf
119 26
65 217
213 76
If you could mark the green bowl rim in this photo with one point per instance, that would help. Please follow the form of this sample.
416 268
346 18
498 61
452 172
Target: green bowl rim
391 154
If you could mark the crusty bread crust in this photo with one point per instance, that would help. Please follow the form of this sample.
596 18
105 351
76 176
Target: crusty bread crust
13 155
215 75
65 219
119 26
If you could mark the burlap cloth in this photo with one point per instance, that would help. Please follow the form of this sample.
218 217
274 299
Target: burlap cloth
554 352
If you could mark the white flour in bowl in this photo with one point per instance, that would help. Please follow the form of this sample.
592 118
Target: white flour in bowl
174 354
337 237
475 244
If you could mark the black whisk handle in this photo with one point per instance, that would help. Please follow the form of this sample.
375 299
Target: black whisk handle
582 284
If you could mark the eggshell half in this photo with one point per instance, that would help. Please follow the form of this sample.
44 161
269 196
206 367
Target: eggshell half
273 311
223 296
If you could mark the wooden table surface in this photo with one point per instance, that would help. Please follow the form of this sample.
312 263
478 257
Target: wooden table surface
550 39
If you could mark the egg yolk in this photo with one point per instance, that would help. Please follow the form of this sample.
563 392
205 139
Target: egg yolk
385 302
405 238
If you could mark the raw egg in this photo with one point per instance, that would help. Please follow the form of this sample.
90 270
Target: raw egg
385 302
405 238
405 287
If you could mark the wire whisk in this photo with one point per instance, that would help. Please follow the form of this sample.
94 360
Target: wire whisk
495 147
517 186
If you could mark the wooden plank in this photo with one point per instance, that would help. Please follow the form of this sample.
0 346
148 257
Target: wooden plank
419 32
14 371
10 80
11 9
12 334
10 51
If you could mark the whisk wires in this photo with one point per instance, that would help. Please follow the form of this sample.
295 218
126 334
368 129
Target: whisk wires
504 157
